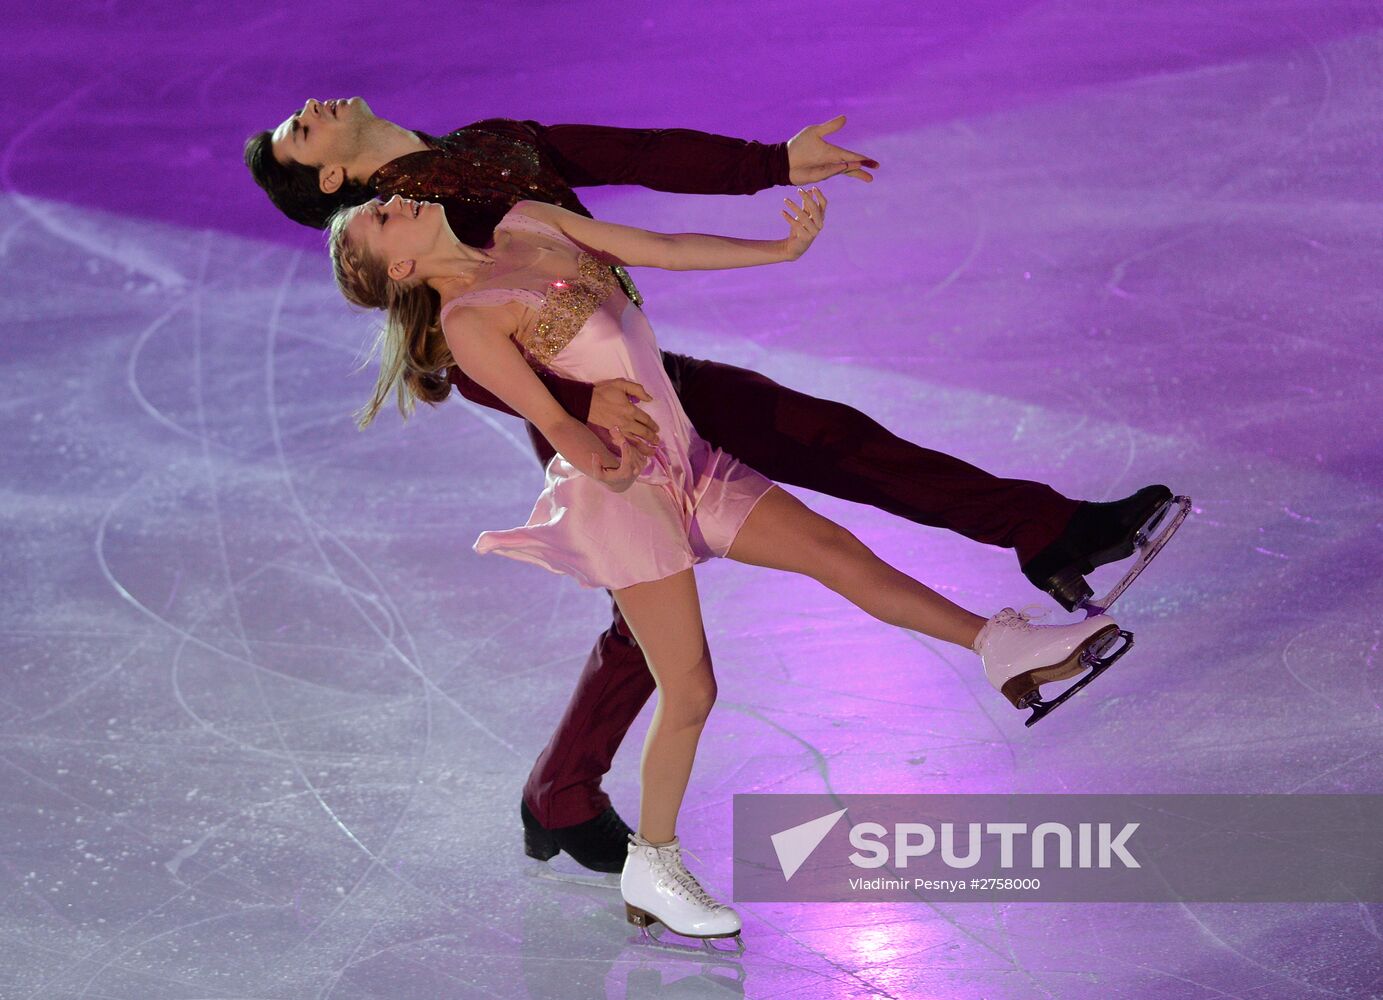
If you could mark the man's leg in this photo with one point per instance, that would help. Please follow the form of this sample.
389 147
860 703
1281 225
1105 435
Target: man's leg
563 788
833 448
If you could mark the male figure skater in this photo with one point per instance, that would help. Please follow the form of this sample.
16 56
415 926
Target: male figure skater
334 153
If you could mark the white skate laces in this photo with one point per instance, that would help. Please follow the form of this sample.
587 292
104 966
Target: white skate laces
667 859
1029 613
1009 618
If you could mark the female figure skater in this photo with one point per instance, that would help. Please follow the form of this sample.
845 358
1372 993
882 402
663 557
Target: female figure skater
630 513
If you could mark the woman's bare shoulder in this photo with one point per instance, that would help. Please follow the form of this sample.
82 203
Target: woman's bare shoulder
486 310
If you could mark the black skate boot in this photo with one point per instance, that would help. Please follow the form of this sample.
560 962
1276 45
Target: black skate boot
600 844
1099 533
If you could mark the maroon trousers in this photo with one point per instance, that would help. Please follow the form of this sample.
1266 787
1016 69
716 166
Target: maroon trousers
798 440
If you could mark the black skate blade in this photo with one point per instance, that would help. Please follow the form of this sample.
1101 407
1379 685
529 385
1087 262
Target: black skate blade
1150 543
592 879
1099 659
1151 525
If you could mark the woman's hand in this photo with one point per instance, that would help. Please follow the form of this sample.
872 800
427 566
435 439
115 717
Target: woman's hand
631 461
611 406
806 220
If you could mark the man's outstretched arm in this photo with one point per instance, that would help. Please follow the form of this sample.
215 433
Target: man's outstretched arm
690 162
679 160
683 160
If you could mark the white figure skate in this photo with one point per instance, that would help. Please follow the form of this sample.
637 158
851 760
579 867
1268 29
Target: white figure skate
1018 655
657 888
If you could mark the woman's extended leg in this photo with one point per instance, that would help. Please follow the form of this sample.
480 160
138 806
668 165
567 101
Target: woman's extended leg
781 532
665 617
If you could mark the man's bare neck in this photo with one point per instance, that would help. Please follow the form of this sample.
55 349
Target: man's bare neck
382 142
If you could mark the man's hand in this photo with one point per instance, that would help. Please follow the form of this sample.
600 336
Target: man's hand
611 407
811 158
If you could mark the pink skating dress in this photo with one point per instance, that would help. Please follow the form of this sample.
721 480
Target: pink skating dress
689 500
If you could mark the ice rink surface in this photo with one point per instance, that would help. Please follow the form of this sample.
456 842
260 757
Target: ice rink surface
265 715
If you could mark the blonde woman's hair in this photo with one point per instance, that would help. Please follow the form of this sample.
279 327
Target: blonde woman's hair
413 354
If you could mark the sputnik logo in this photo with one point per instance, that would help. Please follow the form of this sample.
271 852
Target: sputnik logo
795 844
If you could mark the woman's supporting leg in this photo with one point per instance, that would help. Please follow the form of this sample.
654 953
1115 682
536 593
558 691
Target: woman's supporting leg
781 532
665 617
564 786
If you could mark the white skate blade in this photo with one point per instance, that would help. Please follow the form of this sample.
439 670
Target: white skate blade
1146 549
702 946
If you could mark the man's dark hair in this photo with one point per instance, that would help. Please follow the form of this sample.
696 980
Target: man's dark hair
293 188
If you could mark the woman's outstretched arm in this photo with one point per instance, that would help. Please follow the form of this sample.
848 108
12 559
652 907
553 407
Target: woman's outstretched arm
478 337
635 247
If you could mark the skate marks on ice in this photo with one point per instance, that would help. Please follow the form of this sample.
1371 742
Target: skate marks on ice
201 499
